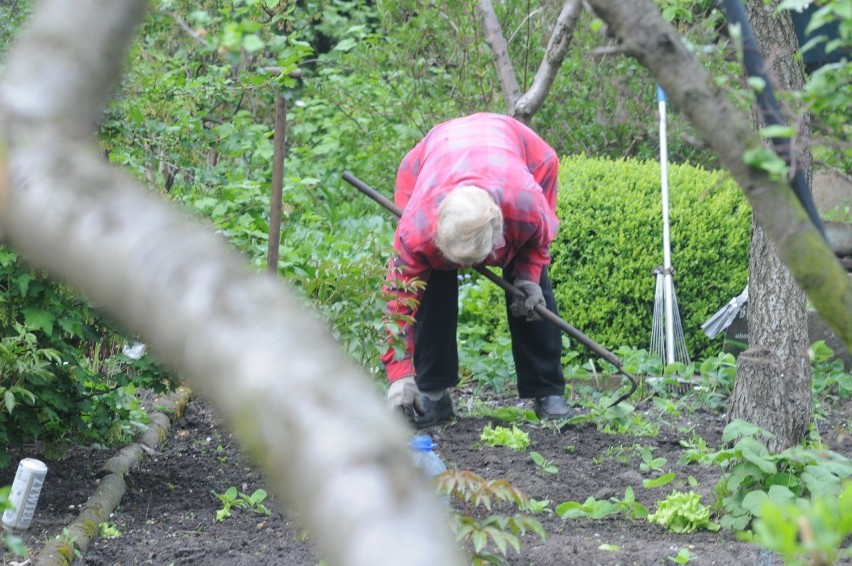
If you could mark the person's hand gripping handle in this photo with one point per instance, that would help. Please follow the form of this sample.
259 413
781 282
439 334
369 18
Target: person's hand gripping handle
524 306
404 395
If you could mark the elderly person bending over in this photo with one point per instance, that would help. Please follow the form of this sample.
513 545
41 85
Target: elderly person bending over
477 190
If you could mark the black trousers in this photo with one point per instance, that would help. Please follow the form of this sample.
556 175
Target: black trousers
536 346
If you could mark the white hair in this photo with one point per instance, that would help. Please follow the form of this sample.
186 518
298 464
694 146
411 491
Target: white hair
470 224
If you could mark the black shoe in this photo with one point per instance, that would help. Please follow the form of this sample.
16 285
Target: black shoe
551 408
435 412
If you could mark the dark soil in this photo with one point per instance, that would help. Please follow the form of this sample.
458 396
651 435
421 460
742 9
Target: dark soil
168 515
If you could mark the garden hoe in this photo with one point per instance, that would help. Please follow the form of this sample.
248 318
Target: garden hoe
542 311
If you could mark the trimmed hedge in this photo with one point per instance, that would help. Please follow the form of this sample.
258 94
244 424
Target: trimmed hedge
611 238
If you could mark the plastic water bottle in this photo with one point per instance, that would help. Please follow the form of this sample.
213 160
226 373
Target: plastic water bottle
425 458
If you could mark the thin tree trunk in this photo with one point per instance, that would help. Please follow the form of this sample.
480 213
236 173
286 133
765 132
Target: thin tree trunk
499 53
277 187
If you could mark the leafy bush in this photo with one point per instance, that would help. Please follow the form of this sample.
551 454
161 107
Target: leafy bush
753 475
807 532
610 239
62 374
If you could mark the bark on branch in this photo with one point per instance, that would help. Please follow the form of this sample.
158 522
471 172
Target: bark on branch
500 53
304 411
656 45
524 107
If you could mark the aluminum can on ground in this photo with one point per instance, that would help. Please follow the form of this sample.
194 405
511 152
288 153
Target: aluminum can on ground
24 495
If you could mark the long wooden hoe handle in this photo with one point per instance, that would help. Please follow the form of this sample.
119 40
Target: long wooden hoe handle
509 288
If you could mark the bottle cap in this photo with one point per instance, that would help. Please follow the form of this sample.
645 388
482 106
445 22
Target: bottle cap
422 443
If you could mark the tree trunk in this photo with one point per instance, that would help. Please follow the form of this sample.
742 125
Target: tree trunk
773 388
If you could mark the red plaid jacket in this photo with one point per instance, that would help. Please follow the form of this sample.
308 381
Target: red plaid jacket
491 151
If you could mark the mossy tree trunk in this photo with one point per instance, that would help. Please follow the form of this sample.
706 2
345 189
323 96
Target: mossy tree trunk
773 387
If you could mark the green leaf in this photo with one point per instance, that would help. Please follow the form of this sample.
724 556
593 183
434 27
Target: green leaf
7 258
9 401
252 43
602 509
258 496
757 84
565 509
479 540
660 481
498 538
766 160
756 453
753 501
781 495
345 45
778 131
40 319
739 427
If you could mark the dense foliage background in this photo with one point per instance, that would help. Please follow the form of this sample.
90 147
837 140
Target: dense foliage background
193 119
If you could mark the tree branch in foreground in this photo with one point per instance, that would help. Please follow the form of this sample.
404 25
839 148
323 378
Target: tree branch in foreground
304 411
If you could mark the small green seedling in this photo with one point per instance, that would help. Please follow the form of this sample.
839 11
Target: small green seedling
598 509
536 507
108 530
683 556
664 479
231 498
546 466
649 463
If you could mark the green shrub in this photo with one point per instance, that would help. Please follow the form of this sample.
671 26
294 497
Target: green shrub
63 377
610 239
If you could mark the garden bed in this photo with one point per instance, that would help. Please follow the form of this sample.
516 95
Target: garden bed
168 514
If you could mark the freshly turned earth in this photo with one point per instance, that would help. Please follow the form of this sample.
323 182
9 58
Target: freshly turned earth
168 514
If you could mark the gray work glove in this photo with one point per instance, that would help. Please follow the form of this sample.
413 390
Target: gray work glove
403 394
525 306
